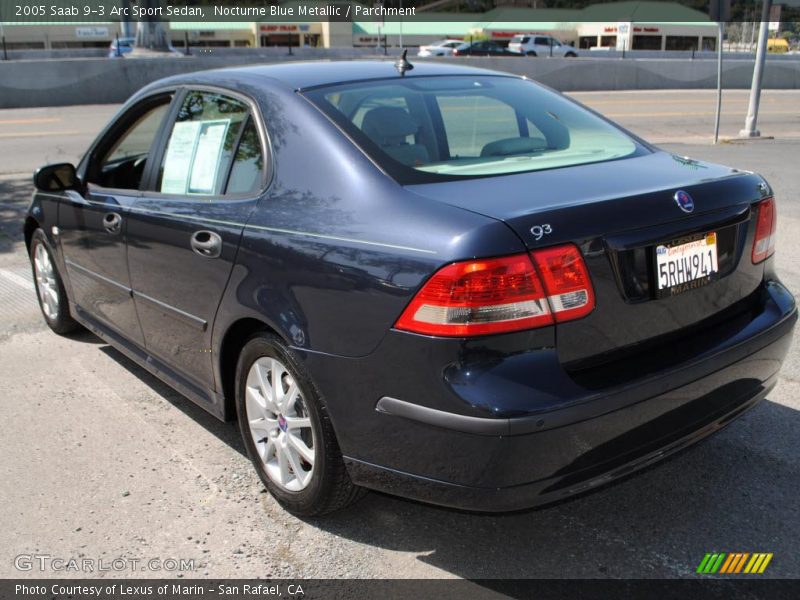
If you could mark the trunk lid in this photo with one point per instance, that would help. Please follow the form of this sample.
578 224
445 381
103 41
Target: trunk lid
618 212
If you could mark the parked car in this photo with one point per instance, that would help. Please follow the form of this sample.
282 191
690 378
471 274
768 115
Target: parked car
540 45
121 46
483 48
447 283
440 48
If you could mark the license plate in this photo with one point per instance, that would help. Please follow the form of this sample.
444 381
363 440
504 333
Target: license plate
684 266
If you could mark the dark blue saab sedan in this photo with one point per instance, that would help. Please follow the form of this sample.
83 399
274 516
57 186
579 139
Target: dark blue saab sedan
446 283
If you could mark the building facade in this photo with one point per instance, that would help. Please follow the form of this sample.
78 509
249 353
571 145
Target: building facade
604 26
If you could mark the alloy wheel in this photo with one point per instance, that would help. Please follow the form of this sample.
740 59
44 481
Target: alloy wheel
46 281
280 424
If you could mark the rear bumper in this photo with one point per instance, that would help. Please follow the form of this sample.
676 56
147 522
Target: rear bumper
473 444
623 445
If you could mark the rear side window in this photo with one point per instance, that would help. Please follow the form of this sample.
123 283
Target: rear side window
248 164
207 135
426 129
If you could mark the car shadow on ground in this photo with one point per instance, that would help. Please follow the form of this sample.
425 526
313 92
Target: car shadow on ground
226 432
15 195
731 493
734 492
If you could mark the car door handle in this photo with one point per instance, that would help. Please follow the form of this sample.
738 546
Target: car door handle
207 244
112 223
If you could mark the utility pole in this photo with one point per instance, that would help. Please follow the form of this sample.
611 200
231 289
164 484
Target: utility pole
127 30
401 25
150 33
751 121
719 11
3 36
719 80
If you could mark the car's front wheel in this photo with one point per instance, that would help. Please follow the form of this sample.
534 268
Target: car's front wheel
287 431
570 55
50 287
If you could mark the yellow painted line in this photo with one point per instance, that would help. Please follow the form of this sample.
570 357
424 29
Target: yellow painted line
589 101
696 114
37 134
29 121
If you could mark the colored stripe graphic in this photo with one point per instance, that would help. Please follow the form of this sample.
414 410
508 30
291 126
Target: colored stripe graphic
741 562
734 562
732 558
717 564
765 563
711 563
703 563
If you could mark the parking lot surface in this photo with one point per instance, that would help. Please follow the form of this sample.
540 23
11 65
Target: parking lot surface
101 460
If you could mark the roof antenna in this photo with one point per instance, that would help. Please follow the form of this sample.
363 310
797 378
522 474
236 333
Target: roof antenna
402 65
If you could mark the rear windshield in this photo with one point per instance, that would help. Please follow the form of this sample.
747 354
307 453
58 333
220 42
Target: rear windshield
425 129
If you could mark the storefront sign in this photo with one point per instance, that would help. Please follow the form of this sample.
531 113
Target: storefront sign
284 28
91 32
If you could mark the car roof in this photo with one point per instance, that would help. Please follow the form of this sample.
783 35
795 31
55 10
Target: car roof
303 75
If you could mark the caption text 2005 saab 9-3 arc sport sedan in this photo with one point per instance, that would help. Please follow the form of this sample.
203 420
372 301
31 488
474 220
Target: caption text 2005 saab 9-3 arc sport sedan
446 283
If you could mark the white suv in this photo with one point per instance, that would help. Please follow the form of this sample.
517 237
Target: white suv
540 45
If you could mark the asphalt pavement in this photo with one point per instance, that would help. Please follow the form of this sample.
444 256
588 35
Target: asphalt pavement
100 460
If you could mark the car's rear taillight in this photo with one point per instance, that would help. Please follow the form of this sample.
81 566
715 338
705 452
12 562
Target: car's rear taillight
766 226
567 281
499 295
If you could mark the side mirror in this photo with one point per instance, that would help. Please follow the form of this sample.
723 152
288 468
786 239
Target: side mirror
57 178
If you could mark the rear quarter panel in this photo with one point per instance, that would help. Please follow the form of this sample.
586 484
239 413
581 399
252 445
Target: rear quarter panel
335 249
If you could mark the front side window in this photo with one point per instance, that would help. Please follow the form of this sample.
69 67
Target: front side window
437 128
202 145
123 155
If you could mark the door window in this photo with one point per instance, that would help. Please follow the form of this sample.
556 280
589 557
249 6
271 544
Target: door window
208 133
123 155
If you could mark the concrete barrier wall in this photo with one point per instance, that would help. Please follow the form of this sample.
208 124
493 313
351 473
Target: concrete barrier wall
578 75
100 81
352 52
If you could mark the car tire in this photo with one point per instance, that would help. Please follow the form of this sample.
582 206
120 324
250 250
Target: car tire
570 55
53 301
281 436
530 53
